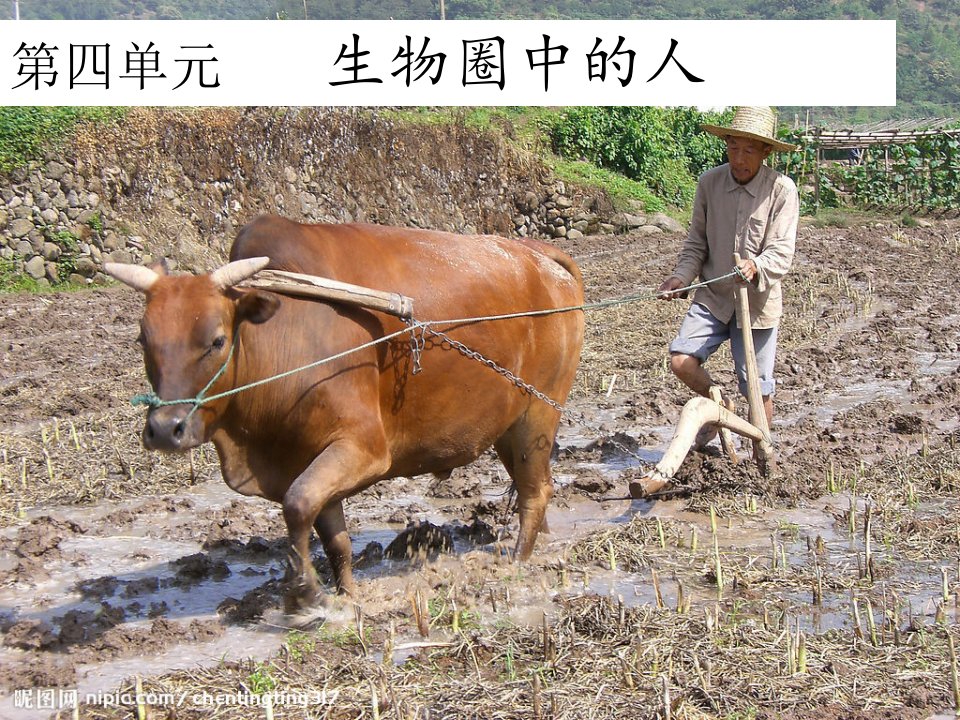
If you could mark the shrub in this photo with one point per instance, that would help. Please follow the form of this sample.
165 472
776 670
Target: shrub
663 148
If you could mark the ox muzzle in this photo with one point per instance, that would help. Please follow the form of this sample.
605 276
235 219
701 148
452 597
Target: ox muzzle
172 428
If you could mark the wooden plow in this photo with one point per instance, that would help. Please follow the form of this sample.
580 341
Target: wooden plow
701 411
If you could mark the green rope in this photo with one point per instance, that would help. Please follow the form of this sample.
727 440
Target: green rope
153 401
736 272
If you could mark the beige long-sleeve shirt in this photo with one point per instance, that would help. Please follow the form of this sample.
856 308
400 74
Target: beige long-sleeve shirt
758 220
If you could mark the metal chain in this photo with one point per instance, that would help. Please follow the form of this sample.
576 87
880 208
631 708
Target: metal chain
420 328
416 346
474 355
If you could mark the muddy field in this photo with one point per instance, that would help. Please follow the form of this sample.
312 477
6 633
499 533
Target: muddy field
827 591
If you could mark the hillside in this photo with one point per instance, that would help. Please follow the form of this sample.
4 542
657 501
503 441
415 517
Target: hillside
928 53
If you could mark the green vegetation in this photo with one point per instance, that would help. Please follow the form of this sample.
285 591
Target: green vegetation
261 680
12 281
70 251
620 189
844 218
25 132
653 156
96 222
444 612
343 636
663 148
300 645
925 174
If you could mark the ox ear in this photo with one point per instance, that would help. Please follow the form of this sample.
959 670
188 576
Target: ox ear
257 306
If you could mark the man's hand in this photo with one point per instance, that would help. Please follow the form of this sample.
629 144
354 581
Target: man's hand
667 288
749 270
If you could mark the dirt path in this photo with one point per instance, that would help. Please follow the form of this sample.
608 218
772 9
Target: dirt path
119 563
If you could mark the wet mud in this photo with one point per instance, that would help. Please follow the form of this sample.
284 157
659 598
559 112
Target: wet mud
117 563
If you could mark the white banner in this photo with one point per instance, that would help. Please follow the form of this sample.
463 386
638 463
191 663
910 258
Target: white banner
381 62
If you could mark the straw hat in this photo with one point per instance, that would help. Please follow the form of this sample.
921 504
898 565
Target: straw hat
756 123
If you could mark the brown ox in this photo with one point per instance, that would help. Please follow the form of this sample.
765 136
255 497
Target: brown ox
312 439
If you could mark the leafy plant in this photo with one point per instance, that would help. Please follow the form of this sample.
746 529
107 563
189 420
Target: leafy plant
96 223
923 175
443 612
300 645
26 132
621 190
70 251
261 680
345 636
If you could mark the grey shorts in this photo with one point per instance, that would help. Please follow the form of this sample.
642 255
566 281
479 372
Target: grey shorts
701 335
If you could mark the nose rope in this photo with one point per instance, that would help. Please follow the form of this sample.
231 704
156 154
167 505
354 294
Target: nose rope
152 400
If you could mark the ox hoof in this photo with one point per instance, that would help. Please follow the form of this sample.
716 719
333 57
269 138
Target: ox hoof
328 608
302 597
307 617
301 611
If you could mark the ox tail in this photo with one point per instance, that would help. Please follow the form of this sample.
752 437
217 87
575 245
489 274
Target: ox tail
558 256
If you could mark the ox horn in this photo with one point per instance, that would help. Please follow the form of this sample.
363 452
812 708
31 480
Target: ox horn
136 276
238 271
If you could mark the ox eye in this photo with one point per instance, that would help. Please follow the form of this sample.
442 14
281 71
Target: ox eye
215 346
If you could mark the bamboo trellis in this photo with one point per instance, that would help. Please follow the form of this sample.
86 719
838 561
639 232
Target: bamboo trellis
885 134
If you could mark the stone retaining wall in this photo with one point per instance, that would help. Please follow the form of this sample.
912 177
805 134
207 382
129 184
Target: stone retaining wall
178 184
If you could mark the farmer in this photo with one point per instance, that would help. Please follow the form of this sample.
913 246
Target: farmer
746 207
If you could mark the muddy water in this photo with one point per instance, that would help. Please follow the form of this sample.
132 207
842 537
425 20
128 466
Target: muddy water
140 570
142 565
138 563
136 571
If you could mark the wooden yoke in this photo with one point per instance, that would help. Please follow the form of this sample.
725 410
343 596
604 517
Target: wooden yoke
763 449
289 283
